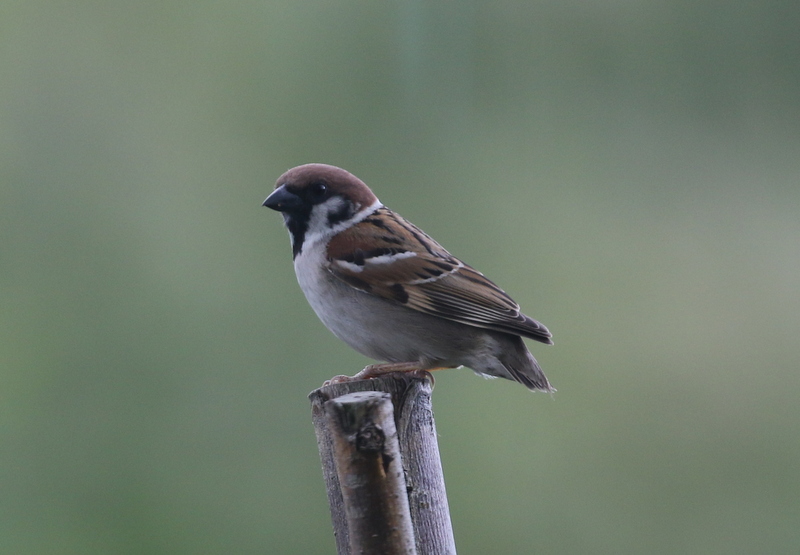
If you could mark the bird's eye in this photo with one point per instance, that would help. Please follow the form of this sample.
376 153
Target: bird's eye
318 191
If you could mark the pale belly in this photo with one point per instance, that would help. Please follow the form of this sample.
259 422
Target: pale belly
383 330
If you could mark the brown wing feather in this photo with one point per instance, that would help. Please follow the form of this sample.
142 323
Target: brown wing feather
423 276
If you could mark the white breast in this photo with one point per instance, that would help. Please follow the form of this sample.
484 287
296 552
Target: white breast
372 326
340 307
363 321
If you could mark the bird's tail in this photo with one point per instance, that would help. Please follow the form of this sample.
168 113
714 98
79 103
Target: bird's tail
528 372
520 366
513 361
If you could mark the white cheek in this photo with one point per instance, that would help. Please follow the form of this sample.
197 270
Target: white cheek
318 226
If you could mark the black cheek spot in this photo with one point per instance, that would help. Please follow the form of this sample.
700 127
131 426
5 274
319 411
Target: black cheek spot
399 293
345 212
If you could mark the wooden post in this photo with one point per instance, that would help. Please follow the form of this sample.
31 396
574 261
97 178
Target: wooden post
419 451
370 472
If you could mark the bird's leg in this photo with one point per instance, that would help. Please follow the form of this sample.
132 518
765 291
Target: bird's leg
375 370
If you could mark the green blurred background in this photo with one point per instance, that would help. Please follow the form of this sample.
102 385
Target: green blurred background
628 171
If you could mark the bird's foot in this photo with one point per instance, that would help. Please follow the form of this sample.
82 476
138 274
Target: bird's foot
376 370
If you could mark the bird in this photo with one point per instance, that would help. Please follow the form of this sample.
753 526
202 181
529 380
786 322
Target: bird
391 292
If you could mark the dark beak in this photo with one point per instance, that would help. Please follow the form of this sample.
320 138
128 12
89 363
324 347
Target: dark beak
283 200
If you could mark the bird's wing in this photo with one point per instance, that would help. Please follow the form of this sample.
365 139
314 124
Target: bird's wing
389 257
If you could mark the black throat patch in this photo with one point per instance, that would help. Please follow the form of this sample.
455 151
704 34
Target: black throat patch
297 224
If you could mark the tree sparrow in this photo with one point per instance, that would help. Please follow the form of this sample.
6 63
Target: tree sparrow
392 293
